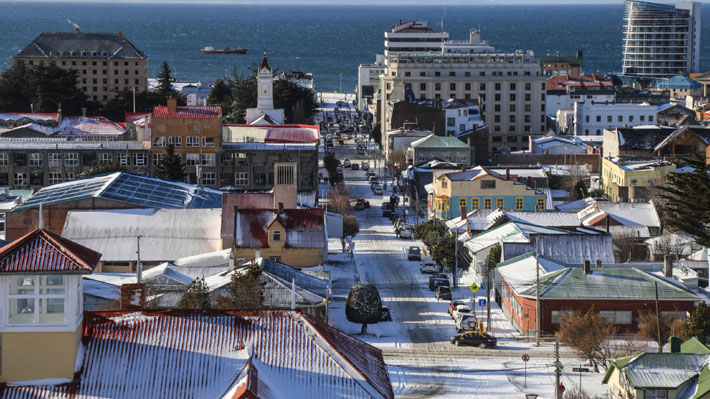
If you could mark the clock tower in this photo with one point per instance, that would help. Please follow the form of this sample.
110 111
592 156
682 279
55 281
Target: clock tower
265 84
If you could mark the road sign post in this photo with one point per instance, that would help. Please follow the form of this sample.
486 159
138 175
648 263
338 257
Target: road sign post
526 357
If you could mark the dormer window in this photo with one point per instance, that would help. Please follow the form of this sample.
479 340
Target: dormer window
37 299
276 235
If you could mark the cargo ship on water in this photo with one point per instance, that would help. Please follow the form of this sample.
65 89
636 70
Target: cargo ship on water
226 50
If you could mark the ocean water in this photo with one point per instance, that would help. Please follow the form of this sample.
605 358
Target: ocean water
329 41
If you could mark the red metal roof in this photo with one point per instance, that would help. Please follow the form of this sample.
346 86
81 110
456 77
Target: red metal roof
242 201
290 133
265 63
190 112
204 354
305 228
43 251
134 116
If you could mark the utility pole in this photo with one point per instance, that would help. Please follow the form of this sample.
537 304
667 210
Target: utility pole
456 255
537 290
134 99
488 301
658 320
558 370
139 266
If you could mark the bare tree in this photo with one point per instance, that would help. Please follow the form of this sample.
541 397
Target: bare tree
590 334
649 328
628 247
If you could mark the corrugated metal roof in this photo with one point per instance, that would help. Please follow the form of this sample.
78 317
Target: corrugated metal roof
43 251
166 234
549 219
569 249
664 370
288 273
304 227
93 125
433 141
189 112
197 354
242 201
608 283
129 188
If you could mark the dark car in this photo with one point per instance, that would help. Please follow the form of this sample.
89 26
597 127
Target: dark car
355 166
365 203
385 314
431 280
475 338
441 282
414 253
443 292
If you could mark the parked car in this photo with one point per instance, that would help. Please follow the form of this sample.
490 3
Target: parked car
346 163
368 174
414 253
341 142
476 338
359 206
365 203
372 179
377 190
355 166
394 199
385 314
365 166
460 309
443 292
454 304
429 268
466 322
361 151
406 232
440 282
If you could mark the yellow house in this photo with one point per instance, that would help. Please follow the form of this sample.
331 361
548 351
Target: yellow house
481 188
41 310
620 178
679 374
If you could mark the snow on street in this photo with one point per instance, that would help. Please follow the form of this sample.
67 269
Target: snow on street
421 360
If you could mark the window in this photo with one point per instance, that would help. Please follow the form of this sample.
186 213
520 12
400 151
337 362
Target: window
642 118
608 118
209 179
35 159
599 118
655 394
20 179
488 184
3 159
452 73
650 118
540 204
616 316
497 86
209 159
175 140
482 87
631 118
55 177
157 158
512 86
437 86
159 141
241 179
512 96
105 158
275 259
422 86
487 203
71 159
192 141
192 159
450 121
500 203
475 203
559 315
140 159
497 97
21 159
452 86
122 158
467 86
276 236
462 203
36 299
519 203
55 159
69 176
621 118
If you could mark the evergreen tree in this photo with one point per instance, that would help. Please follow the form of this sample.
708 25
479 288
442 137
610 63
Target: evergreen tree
102 169
171 166
197 296
698 324
221 95
246 290
15 91
686 201
116 108
165 81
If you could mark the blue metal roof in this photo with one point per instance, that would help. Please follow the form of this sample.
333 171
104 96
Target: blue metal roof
129 188
679 82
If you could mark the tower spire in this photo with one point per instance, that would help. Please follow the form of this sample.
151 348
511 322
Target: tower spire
265 63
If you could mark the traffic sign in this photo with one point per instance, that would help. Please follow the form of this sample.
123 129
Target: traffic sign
473 287
526 357
580 369
482 302
530 396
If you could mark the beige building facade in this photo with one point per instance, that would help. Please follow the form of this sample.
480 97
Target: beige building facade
509 87
106 62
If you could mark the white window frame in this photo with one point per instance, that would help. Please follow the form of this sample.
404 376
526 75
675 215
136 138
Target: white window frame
619 317
73 306
4 159
158 141
55 177
71 159
192 141
140 159
208 142
19 179
35 159
157 158
176 141
105 158
209 178
192 159
54 159
241 179
122 158
69 176
208 159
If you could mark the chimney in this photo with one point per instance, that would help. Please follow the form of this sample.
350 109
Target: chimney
132 296
667 266
172 104
463 213
598 263
675 344
507 173
281 208
587 267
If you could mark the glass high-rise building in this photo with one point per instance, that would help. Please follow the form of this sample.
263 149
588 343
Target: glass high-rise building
661 40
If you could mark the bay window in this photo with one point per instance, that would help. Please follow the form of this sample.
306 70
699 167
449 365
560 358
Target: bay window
37 299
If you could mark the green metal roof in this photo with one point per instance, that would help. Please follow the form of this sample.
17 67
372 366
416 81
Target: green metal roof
602 283
663 370
433 141
616 364
693 345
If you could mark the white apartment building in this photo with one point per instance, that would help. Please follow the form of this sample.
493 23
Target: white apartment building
462 117
413 36
661 40
368 82
565 94
591 119
510 89
474 45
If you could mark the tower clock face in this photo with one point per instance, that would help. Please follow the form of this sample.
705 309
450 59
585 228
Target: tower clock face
265 89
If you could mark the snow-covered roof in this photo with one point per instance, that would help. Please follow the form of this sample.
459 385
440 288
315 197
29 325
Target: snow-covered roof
196 354
304 227
509 232
549 218
568 249
166 234
93 126
520 272
626 213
